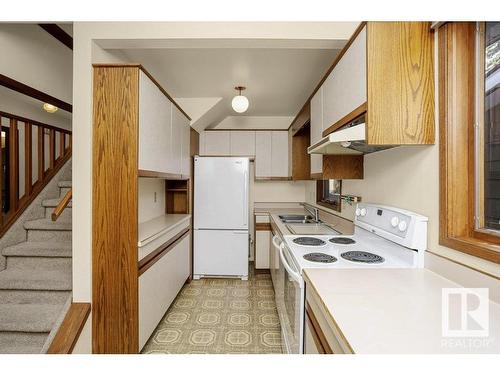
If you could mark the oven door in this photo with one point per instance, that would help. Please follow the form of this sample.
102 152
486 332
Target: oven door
293 303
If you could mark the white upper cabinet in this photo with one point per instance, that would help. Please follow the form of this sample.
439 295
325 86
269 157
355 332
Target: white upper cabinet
155 127
242 143
181 141
217 143
316 129
177 127
163 144
263 153
345 88
279 154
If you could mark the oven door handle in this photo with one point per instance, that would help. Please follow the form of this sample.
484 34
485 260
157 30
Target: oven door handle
274 242
294 275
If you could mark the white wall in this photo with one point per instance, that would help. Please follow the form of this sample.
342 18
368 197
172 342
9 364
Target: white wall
34 57
279 191
148 207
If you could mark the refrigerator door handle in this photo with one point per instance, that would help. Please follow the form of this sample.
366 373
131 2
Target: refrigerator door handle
245 201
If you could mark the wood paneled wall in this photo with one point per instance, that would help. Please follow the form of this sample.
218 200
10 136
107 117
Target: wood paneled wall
115 210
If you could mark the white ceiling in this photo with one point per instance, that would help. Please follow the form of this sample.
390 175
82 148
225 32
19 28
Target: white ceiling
278 80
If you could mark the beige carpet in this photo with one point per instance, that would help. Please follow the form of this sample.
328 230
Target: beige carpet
220 316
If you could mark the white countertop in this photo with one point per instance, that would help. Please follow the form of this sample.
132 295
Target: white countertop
154 228
388 311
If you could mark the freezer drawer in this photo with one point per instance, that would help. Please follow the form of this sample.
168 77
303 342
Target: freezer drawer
221 253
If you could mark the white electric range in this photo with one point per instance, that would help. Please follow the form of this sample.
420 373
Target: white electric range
384 237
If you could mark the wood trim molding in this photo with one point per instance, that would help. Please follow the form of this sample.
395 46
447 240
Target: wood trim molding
316 329
149 76
263 227
115 291
34 93
149 260
456 142
303 117
69 332
167 176
335 62
354 114
58 33
273 178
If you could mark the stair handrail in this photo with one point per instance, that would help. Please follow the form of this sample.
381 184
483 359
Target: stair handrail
62 204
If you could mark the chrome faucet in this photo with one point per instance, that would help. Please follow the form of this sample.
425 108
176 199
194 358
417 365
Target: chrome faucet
312 210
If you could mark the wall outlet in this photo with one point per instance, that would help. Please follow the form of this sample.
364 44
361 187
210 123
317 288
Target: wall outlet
155 197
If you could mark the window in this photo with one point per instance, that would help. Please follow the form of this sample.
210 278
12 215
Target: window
488 134
469 105
328 193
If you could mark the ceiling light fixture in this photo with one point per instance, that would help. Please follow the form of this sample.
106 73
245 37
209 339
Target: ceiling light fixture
50 108
240 102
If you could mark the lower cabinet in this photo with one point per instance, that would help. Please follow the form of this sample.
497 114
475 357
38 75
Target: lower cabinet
262 240
159 285
312 338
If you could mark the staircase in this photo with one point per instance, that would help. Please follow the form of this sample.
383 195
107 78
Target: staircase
35 286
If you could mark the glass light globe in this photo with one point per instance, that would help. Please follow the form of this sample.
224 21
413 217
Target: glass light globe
240 103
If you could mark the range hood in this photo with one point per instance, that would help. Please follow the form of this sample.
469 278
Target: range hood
348 140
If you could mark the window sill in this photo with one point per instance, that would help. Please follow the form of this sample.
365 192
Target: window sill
473 246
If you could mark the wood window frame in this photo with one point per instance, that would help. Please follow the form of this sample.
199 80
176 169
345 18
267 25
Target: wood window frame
320 197
457 156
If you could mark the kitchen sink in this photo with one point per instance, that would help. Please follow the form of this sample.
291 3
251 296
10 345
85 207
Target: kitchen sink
296 219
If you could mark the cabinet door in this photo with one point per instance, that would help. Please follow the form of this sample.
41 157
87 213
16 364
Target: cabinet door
279 154
242 143
177 139
316 129
345 88
155 127
263 153
217 143
262 241
185 147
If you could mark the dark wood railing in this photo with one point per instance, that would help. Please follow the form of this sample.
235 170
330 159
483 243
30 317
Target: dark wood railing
31 154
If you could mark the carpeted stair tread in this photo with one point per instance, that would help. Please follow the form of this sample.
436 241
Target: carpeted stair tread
28 317
48 225
52 203
21 342
64 184
16 279
39 249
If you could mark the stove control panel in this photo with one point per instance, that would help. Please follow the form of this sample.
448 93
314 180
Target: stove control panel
401 226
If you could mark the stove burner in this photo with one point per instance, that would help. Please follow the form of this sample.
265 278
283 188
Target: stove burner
309 241
342 240
320 258
362 257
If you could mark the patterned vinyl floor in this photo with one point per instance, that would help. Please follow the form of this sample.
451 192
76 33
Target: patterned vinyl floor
220 316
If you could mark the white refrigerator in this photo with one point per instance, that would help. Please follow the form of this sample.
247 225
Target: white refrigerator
221 217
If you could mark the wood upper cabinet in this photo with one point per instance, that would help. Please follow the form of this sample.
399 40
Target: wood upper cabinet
316 130
345 87
386 72
400 83
242 143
